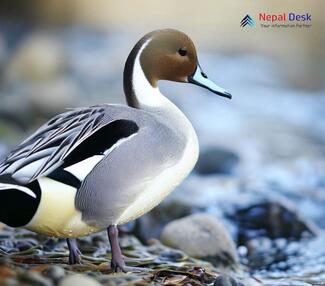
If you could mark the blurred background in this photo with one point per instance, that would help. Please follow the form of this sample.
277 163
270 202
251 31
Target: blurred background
261 168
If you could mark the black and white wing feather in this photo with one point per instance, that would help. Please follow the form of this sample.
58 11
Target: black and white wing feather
61 138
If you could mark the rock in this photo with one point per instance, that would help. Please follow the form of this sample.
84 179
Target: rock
80 280
172 255
34 279
39 57
226 280
150 225
201 236
11 282
24 245
261 252
273 220
55 273
259 245
216 160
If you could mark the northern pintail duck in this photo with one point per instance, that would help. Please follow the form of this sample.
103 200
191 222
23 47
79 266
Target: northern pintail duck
95 168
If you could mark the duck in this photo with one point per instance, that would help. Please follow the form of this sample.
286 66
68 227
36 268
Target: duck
95 168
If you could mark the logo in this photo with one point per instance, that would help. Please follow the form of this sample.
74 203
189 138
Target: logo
247 20
279 20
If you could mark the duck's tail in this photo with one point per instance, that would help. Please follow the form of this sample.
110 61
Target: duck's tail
17 188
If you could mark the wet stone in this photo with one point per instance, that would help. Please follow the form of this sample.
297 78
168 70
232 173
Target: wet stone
12 282
80 280
273 220
50 244
263 253
24 245
7 246
34 279
226 280
171 255
5 234
4 260
201 236
55 273
40 57
216 160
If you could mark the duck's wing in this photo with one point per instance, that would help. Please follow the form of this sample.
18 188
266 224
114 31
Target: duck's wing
65 140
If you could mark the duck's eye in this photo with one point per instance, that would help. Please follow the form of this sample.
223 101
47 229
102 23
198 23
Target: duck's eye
182 52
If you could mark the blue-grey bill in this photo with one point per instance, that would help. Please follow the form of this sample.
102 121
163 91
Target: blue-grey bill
200 78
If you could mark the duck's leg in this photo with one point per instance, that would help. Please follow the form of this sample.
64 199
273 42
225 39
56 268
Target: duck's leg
74 252
117 262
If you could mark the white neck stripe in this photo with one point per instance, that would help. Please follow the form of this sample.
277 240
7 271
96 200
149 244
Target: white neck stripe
147 95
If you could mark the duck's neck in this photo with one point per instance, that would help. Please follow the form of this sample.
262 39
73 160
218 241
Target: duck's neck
142 94
139 92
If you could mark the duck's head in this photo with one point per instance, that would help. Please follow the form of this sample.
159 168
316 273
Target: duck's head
167 55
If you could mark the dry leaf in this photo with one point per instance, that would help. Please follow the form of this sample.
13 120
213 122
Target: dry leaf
40 268
175 280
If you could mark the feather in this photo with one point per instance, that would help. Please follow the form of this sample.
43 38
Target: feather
50 146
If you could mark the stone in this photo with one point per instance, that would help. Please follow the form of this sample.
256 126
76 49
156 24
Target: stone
226 280
273 220
216 160
55 273
80 280
34 279
24 245
150 225
39 57
202 236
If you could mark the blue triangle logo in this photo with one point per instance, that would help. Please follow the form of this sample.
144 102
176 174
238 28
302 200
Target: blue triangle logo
247 21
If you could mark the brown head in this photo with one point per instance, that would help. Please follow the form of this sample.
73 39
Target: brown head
166 55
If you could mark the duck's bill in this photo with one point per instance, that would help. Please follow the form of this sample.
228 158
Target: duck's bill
200 78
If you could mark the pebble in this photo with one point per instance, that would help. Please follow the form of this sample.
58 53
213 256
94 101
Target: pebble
24 245
171 255
272 219
39 57
202 236
78 280
55 273
226 280
216 160
34 279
